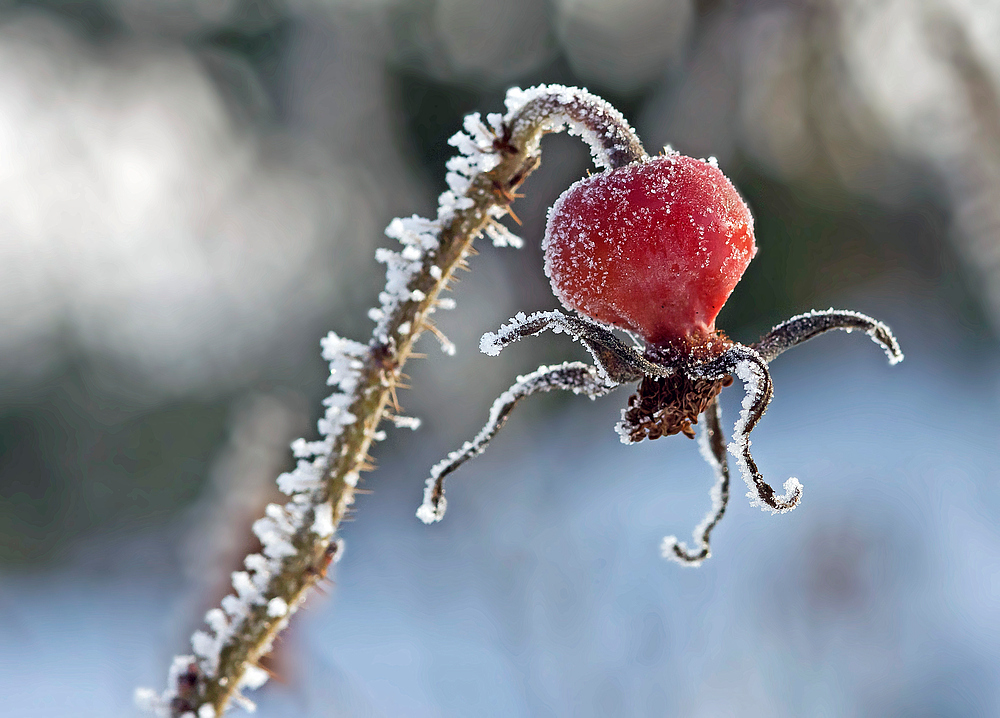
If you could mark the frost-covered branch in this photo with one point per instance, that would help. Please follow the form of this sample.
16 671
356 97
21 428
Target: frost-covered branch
298 538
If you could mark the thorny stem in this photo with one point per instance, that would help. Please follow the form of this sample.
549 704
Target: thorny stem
516 145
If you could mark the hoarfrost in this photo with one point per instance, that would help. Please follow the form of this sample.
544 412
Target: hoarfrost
447 346
623 428
588 334
338 550
406 422
571 376
148 701
277 607
670 543
254 677
216 620
429 511
752 376
307 475
559 103
245 703
323 521
503 237
203 645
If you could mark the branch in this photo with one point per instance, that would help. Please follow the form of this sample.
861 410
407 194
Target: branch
298 538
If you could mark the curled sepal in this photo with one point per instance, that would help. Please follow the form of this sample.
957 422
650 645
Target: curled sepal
616 360
804 327
576 377
712 443
750 368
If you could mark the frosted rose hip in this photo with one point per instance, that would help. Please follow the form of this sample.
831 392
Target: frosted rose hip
655 248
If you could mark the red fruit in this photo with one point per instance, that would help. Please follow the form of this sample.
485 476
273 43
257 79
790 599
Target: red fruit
654 248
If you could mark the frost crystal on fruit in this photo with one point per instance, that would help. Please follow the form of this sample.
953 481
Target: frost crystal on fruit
654 248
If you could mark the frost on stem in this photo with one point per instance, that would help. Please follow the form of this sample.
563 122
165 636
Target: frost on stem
277 531
612 141
298 541
757 382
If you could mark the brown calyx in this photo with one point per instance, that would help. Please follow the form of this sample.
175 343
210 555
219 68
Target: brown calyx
663 406
670 405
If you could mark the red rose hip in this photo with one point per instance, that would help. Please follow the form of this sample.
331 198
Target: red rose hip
654 248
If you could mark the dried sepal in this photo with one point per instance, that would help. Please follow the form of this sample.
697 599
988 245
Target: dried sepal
804 327
712 443
615 359
576 377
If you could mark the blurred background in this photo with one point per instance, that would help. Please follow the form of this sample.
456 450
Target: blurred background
191 192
